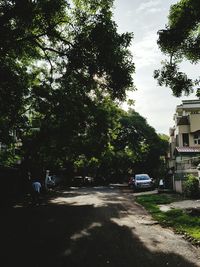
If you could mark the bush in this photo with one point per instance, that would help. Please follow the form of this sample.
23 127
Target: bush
191 186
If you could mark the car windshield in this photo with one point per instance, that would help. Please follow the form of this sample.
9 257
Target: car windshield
142 177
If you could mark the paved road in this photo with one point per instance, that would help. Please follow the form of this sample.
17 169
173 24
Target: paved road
95 227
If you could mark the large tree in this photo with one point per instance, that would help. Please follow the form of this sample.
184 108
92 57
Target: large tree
138 149
56 56
26 29
180 40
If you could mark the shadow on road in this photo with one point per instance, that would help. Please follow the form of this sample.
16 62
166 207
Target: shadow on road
73 235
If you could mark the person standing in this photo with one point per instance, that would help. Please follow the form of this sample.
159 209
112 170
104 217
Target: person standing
49 182
47 177
161 184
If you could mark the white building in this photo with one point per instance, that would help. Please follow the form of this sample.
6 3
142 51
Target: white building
185 142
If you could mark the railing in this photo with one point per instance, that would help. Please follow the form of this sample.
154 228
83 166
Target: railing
186 164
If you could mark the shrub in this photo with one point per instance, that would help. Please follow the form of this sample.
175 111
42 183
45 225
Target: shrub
191 186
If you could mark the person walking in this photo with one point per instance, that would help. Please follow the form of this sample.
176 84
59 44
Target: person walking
36 192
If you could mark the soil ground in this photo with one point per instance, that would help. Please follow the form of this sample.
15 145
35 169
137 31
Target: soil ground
100 226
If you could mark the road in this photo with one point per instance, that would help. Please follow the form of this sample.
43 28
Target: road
97 227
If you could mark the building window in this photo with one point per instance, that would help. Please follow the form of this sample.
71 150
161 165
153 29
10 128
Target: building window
185 137
197 139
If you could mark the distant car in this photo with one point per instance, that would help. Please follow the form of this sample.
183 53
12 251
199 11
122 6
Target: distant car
101 181
88 180
78 181
142 181
57 179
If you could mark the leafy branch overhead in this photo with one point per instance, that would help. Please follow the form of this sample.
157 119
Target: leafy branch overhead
180 40
64 69
51 50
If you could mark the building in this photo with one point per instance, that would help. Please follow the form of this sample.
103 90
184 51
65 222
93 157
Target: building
184 151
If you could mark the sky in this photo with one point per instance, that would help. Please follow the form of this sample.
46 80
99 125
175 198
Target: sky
144 18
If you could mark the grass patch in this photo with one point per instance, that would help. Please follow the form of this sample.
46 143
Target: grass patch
175 218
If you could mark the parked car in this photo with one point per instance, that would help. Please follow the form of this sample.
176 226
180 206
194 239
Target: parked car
78 181
101 181
88 180
142 181
58 179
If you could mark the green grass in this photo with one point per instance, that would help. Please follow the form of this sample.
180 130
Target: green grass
175 218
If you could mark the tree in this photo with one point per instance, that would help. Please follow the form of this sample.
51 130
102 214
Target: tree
180 40
138 147
57 57
26 29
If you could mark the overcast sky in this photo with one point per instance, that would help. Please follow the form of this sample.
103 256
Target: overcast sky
144 18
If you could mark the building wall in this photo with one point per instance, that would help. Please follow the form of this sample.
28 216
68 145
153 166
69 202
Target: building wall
183 129
194 122
191 109
178 186
179 178
191 140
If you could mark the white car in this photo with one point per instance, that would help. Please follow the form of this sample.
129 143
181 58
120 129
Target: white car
142 181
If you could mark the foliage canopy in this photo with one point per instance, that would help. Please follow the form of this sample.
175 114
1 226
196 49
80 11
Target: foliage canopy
54 49
63 70
180 40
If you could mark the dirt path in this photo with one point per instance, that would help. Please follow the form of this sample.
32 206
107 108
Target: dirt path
94 227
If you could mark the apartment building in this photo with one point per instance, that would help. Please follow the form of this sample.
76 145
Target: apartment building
184 151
